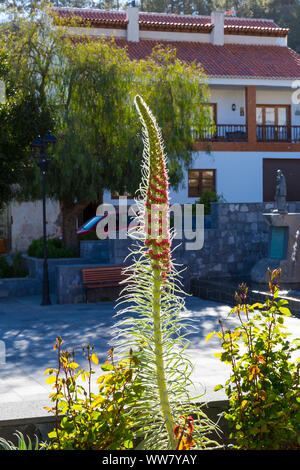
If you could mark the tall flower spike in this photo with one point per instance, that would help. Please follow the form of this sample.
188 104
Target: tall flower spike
151 297
157 199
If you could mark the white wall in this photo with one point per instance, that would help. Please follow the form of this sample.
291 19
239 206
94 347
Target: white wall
82 31
27 222
225 98
175 36
239 175
255 40
180 36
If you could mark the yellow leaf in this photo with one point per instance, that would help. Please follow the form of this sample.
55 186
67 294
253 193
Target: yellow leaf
210 335
95 359
51 379
218 354
97 402
243 404
73 365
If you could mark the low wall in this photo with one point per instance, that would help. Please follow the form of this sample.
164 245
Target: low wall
41 426
36 267
19 287
69 287
95 250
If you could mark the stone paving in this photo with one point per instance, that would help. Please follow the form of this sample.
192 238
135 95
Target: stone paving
29 330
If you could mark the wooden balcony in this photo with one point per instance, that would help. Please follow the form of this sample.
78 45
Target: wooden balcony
225 133
278 134
234 137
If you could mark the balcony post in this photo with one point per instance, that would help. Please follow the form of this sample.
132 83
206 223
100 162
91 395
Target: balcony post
250 92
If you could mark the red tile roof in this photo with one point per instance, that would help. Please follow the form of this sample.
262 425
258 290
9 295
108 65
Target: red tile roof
92 16
230 60
163 21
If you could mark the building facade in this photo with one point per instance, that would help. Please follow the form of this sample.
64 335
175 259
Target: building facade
253 77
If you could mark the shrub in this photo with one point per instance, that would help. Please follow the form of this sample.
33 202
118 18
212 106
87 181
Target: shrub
5 268
263 389
93 421
15 269
24 443
54 249
206 198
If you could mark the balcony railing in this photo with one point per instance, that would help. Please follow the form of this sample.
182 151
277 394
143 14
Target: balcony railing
238 133
225 133
272 133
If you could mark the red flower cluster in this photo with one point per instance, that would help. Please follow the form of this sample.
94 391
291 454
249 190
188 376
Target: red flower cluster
183 433
157 194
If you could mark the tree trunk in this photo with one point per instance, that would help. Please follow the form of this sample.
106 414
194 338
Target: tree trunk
70 213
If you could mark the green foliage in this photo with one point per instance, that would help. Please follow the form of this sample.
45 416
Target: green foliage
263 389
16 269
28 99
88 236
82 91
85 90
206 198
24 443
101 421
54 249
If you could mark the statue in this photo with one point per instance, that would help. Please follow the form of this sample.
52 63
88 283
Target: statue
280 194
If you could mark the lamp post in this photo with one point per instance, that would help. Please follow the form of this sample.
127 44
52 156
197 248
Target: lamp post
41 150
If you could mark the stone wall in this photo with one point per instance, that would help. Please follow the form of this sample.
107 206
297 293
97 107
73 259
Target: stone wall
35 267
239 239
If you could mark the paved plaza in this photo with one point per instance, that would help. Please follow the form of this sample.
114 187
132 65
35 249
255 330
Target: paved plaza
29 330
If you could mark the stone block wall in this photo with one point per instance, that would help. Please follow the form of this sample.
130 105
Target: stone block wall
239 239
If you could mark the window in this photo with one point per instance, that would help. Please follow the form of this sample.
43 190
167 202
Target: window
116 195
273 115
200 181
273 122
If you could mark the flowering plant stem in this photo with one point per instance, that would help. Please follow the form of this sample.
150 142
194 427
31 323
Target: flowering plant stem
161 379
153 297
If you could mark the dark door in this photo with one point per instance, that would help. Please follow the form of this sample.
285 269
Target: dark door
290 168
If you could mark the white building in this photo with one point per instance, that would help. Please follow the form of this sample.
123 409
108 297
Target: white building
253 78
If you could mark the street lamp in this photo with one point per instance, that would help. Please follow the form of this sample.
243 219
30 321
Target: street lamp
41 151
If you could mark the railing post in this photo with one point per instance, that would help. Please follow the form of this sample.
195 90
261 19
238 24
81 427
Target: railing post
250 92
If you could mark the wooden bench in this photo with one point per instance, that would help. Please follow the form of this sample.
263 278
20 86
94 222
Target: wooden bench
99 277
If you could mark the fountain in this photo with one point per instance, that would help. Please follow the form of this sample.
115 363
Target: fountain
284 250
